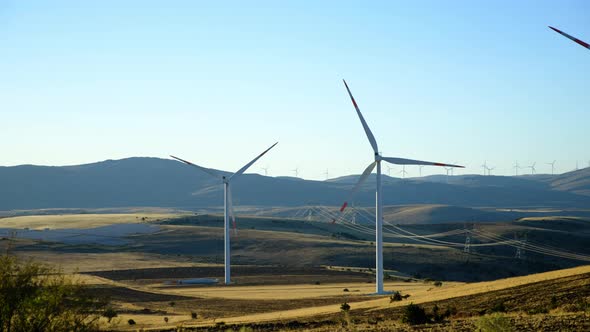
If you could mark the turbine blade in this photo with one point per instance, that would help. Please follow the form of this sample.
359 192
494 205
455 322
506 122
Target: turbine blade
356 187
584 44
243 169
232 214
363 122
403 161
209 171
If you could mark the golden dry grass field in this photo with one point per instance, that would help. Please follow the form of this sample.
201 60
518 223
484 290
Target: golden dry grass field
283 270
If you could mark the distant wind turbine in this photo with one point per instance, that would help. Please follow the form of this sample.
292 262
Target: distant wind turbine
485 167
490 169
532 167
516 167
265 169
327 174
296 171
228 209
582 43
403 171
420 168
389 168
552 167
379 198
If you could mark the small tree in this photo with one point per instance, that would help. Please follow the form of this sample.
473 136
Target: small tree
193 315
397 296
109 313
166 320
345 307
131 322
438 283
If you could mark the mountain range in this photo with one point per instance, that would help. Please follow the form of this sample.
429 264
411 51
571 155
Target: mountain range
141 181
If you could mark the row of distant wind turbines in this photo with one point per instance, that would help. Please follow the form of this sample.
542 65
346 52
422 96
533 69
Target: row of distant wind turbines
229 211
487 170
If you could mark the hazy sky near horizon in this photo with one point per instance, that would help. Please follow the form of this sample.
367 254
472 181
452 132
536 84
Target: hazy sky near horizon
217 82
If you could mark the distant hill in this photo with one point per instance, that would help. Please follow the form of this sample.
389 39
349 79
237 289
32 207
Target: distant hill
576 182
135 182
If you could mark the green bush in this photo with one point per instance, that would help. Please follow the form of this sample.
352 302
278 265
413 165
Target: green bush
493 323
414 315
36 297
498 307
345 306
193 315
131 322
438 283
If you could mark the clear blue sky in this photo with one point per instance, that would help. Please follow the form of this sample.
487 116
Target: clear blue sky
217 82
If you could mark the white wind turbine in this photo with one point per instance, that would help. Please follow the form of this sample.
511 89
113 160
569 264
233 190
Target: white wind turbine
516 167
296 171
265 169
403 171
552 166
379 198
389 168
228 209
485 167
532 167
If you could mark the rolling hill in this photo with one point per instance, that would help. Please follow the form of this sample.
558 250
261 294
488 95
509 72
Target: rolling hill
166 183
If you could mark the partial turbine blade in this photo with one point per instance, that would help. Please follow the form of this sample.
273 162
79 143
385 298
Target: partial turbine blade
402 161
356 187
211 172
584 44
243 169
363 122
232 214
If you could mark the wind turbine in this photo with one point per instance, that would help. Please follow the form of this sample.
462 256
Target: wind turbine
584 44
265 169
403 171
296 171
552 167
516 167
327 174
379 198
490 169
389 168
420 169
485 167
532 167
228 209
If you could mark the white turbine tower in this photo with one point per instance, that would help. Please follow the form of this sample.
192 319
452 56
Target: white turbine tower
296 171
265 169
228 209
552 167
379 198
420 169
516 167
